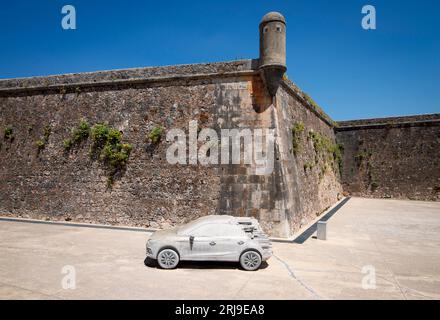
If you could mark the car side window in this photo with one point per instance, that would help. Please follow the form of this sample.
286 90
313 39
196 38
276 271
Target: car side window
230 230
206 230
218 230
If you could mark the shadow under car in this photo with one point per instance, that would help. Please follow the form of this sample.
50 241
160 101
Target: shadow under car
152 263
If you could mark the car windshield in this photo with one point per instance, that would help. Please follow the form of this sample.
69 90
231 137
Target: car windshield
187 227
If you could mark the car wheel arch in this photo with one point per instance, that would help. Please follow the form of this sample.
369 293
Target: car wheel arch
168 247
251 249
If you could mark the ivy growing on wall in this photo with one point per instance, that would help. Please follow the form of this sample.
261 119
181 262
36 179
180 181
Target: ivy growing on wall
106 146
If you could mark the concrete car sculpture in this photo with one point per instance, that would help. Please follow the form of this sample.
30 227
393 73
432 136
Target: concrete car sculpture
211 238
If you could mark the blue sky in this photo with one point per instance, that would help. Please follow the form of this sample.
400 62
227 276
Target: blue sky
352 73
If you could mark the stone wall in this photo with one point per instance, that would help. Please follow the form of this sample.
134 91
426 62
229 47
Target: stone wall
392 157
55 184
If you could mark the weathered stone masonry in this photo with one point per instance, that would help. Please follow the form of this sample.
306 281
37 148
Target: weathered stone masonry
54 185
392 157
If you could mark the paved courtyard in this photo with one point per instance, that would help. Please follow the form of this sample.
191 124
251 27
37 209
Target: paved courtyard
376 249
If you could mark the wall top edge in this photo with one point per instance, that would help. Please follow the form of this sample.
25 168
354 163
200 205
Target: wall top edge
134 74
399 121
308 102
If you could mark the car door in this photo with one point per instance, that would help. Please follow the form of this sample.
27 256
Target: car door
222 242
230 242
203 246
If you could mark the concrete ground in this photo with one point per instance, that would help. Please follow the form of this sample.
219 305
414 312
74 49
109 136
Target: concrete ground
376 249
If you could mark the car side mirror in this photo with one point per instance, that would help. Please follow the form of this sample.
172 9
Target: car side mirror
191 242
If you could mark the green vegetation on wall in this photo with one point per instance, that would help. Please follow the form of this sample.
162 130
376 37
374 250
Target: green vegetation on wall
8 134
78 134
308 166
312 102
327 152
41 143
297 130
106 143
155 135
106 146
318 109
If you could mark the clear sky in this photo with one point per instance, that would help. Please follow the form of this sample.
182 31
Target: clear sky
352 73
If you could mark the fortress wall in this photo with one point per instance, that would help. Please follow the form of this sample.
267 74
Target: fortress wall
53 184
56 185
392 157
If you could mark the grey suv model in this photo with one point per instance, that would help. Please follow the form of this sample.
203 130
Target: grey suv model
211 238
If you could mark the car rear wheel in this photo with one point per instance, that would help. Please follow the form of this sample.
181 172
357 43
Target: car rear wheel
168 259
250 260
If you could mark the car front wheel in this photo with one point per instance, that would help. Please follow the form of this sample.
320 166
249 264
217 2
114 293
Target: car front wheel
250 260
168 259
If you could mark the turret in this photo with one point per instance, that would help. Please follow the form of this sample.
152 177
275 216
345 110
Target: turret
272 62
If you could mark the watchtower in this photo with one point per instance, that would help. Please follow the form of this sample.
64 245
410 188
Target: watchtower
272 62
